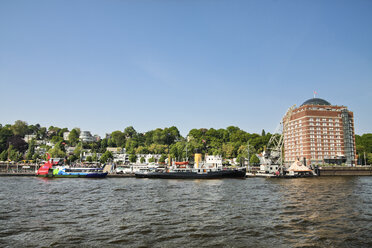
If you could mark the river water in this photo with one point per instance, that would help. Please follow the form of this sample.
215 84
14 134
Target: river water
130 212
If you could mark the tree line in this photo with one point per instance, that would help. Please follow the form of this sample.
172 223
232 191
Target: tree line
231 142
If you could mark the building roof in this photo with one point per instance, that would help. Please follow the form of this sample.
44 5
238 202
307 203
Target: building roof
316 101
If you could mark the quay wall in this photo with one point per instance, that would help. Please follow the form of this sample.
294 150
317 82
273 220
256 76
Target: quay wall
345 171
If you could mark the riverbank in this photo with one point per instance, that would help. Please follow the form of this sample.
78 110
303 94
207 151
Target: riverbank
323 171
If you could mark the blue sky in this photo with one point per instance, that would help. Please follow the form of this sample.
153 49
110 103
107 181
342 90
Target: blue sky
105 65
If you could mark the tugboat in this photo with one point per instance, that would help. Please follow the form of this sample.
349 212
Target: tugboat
53 168
211 168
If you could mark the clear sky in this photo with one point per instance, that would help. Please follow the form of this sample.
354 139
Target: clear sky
105 65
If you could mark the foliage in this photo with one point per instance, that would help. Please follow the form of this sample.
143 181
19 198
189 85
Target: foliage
151 160
31 150
72 158
5 134
142 160
254 160
73 136
106 156
20 128
17 143
55 139
162 158
4 155
89 159
363 145
94 157
58 151
132 158
13 154
118 139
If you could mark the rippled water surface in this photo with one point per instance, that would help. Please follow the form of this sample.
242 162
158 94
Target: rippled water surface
129 212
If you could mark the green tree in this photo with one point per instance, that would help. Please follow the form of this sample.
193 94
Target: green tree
55 139
5 134
4 155
18 143
142 160
35 156
369 158
118 138
73 136
31 150
130 132
132 158
162 158
42 133
151 160
142 150
13 154
157 148
106 156
72 158
89 159
95 157
228 150
57 151
254 160
20 128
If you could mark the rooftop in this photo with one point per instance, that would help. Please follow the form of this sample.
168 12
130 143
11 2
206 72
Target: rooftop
316 101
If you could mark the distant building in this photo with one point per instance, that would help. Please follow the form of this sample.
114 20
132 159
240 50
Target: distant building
147 158
65 135
40 151
121 158
29 137
320 133
70 149
86 136
116 150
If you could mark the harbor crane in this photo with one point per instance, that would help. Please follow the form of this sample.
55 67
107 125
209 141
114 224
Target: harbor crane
272 157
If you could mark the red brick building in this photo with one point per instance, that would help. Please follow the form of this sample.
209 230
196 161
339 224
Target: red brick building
320 133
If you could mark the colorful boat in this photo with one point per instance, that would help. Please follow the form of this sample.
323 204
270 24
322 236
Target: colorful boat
55 169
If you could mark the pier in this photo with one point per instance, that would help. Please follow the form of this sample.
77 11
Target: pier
345 171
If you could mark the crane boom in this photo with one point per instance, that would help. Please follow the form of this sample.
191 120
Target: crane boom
274 154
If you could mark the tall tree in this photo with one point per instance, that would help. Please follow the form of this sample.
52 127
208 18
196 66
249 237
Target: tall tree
118 138
130 132
73 136
20 128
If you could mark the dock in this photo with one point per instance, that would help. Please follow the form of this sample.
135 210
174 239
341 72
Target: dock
345 171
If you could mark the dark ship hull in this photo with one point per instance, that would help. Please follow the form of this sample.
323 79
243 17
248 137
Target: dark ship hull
228 173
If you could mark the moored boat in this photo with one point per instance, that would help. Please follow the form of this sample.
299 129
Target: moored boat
211 168
56 169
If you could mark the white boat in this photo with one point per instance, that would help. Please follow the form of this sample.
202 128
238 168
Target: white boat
131 169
